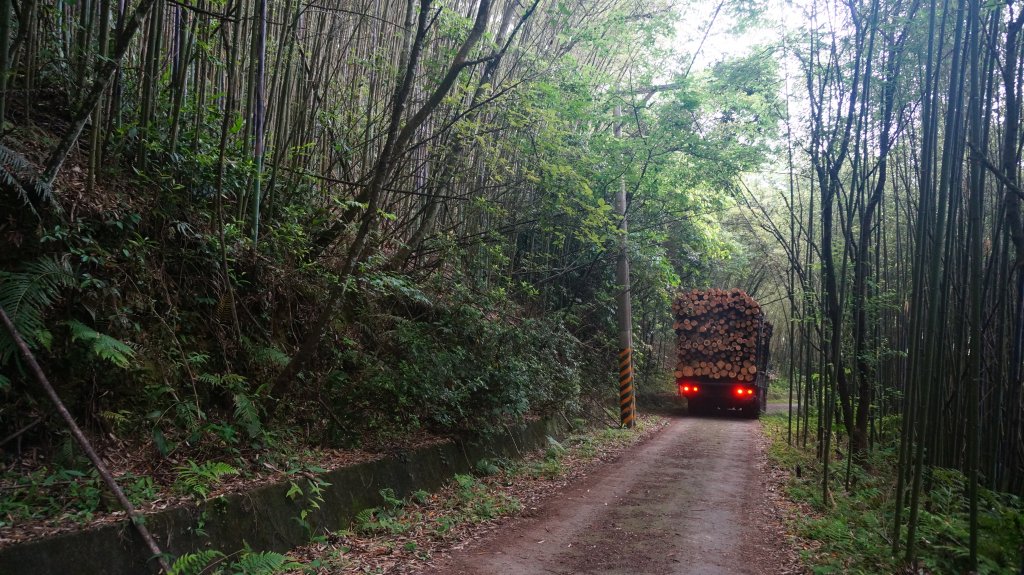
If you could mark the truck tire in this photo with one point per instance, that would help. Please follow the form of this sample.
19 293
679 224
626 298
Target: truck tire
752 411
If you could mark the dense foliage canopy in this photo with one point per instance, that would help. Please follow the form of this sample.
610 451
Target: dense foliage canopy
236 222
235 228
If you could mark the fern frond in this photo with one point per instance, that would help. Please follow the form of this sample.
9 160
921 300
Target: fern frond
199 478
102 345
366 516
25 295
265 563
209 379
195 563
270 356
188 415
247 412
19 175
198 359
218 469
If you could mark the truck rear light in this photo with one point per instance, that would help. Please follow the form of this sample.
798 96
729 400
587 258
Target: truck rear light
741 391
688 388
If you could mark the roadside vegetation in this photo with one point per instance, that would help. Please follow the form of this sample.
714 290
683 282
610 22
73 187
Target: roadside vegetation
851 531
246 237
896 240
411 531
236 248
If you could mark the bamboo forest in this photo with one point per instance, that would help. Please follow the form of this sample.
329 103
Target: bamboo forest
511 286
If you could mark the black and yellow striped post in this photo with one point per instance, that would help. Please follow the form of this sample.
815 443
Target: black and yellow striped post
627 394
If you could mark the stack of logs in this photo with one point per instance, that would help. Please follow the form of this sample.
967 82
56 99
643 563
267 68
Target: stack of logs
719 332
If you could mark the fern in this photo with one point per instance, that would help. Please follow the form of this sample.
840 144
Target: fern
196 563
269 356
25 295
210 379
102 346
249 563
199 478
197 359
366 521
227 381
248 413
19 175
188 415
265 563
555 449
119 419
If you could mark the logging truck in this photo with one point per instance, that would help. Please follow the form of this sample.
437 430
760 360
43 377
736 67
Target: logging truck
721 351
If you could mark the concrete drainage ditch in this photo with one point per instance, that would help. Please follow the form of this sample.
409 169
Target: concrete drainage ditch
265 517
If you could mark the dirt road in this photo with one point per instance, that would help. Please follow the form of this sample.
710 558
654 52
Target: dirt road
685 502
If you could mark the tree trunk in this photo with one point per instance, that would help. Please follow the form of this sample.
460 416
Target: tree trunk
95 93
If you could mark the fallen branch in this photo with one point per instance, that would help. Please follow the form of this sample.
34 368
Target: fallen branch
137 519
18 433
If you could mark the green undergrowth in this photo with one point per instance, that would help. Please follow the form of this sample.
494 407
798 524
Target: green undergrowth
852 532
411 361
155 358
470 501
247 562
75 493
411 528
778 390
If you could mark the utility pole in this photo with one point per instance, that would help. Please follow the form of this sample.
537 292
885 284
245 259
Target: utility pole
624 311
624 304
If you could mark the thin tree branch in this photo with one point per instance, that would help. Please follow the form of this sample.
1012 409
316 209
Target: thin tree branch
138 521
198 10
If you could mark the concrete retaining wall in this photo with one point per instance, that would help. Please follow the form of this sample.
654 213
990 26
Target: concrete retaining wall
264 518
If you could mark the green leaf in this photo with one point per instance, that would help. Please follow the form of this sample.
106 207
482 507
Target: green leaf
247 412
196 563
160 442
199 478
237 126
265 563
102 346
25 296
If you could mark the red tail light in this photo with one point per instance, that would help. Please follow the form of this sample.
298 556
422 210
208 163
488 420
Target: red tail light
741 391
688 388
